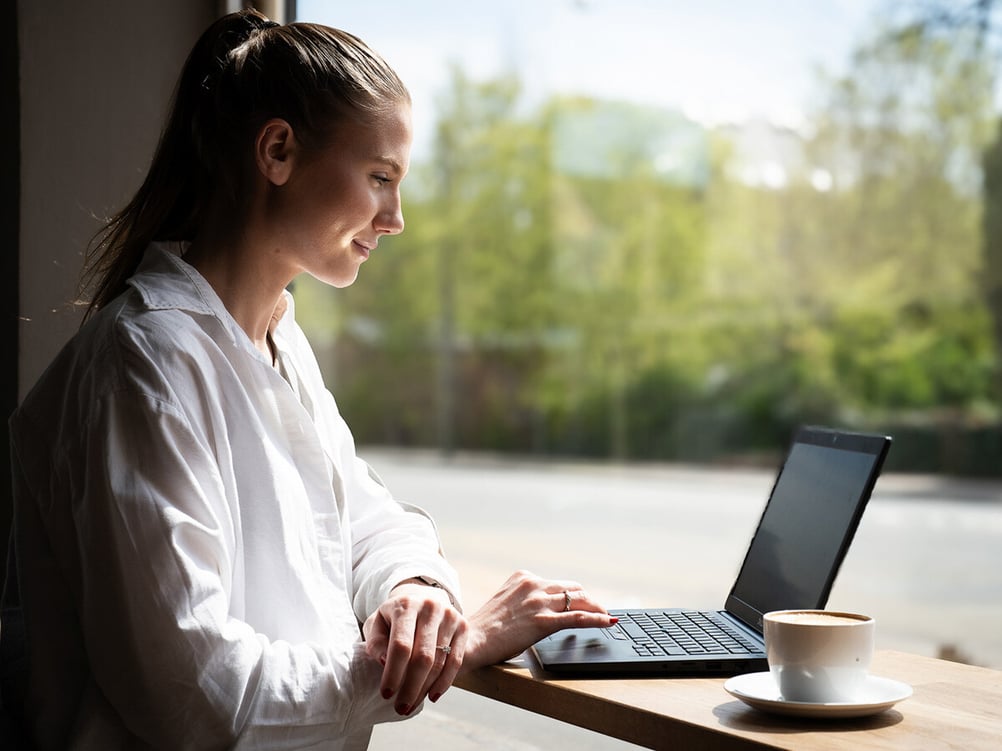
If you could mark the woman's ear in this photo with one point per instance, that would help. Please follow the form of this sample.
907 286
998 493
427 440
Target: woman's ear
274 150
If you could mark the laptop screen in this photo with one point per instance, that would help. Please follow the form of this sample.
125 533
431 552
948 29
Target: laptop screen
806 528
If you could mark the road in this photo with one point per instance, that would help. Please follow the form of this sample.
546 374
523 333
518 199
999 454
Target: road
926 560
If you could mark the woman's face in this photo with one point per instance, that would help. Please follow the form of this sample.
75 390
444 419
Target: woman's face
338 202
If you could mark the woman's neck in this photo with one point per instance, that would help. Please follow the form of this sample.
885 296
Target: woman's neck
246 283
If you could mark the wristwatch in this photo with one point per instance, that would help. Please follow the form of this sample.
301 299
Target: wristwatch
432 583
429 582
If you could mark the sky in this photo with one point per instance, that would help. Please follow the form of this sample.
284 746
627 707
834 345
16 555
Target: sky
716 60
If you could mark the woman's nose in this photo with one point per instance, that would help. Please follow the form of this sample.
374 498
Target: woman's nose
390 220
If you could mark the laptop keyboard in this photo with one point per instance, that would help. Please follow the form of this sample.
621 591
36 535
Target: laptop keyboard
656 634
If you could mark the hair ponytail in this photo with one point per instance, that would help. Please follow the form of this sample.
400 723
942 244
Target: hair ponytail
243 70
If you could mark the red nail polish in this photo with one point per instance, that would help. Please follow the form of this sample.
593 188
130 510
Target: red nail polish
387 693
434 697
403 709
614 621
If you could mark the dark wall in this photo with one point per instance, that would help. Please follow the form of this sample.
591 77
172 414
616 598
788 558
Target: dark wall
10 192
85 89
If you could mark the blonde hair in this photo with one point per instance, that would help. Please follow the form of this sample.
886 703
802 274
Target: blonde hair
243 71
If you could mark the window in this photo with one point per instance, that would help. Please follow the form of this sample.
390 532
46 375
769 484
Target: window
667 231
625 218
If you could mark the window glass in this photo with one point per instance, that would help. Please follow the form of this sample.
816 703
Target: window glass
666 230
626 219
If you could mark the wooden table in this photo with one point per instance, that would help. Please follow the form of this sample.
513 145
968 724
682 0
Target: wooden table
954 706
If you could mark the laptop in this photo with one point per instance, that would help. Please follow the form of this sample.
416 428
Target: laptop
802 537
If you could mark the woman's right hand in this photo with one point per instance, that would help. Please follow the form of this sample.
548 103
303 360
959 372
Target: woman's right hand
525 610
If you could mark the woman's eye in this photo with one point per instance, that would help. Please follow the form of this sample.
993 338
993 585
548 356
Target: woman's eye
381 179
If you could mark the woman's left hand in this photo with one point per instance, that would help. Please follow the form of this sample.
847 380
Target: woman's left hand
526 609
420 638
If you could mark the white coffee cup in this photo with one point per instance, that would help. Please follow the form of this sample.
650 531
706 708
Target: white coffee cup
819 656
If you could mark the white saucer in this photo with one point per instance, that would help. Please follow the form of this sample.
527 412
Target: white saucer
759 690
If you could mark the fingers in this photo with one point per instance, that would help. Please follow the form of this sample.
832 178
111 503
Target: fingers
400 645
572 597
581 619
576 609
377 633
525 610
423 649
548 596
431 671
453 660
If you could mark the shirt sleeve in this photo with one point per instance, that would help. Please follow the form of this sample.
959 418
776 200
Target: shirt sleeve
148 547
391 541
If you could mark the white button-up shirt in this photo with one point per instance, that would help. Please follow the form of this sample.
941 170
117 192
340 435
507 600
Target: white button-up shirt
197 540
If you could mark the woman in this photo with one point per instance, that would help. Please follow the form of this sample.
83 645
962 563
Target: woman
198 543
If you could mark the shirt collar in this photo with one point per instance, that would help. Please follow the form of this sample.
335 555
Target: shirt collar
166 282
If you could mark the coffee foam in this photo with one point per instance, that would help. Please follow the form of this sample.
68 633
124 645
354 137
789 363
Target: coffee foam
819 618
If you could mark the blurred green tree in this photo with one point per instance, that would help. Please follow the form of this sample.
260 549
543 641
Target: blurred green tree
973 27
600 278
863 271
